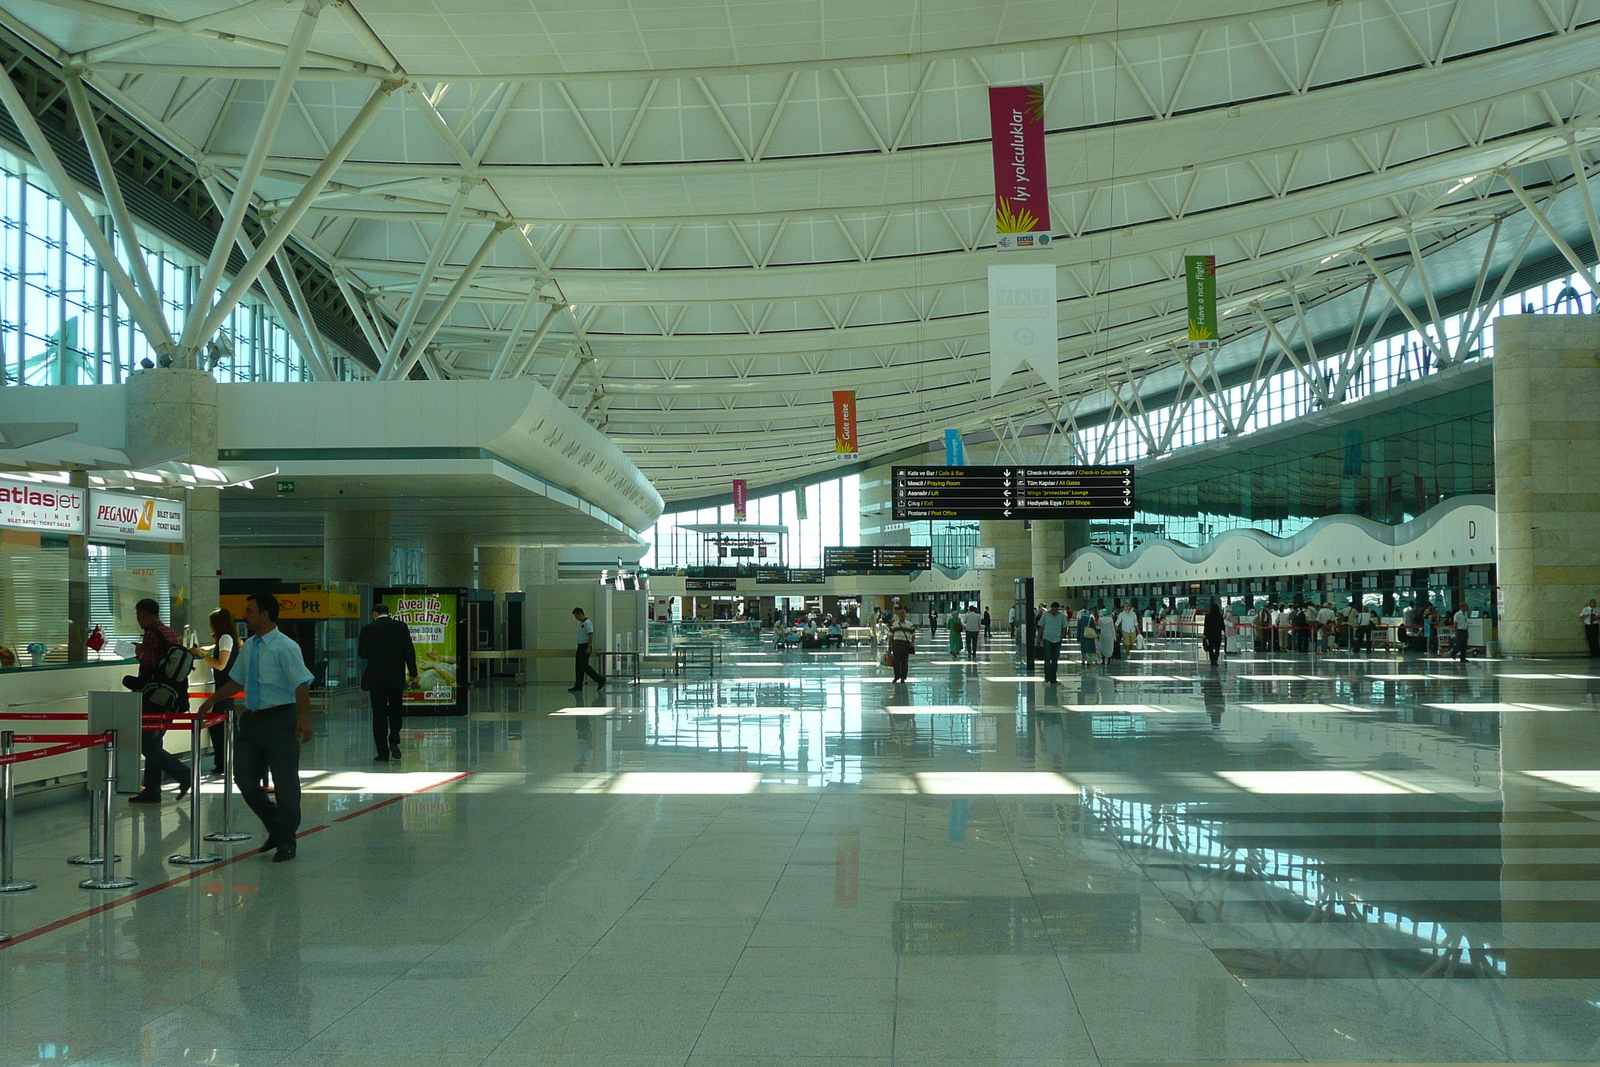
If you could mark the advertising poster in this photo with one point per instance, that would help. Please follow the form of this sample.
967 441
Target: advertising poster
800 503
741 497
438 626
1200 274
844 423
1021 189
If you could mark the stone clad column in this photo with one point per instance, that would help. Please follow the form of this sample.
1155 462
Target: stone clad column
1013 559
356 547
172 417
447 559
499 568
1049 547
1546 469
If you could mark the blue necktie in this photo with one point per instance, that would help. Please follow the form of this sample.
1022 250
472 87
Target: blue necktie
252 687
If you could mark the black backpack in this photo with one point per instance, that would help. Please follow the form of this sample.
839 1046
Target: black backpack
167 688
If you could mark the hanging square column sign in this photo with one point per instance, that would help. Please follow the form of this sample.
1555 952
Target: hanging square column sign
1200 277
740 499
845 444
1022 323
1021 189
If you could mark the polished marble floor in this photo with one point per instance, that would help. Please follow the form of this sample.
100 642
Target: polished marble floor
794 861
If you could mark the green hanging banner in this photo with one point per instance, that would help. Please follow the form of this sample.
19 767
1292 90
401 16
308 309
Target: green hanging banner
800 503
1200 275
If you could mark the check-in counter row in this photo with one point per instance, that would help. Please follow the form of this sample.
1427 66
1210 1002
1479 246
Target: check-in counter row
61 689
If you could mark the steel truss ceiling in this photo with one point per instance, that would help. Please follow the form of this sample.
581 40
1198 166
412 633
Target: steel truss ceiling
693 223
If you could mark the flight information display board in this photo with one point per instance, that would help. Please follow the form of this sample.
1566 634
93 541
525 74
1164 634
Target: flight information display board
790 576
1013 493
877 559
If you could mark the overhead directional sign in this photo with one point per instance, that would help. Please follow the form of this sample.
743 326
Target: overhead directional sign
1013 492
877 559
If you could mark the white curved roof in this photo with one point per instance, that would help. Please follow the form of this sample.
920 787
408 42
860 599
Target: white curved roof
738 206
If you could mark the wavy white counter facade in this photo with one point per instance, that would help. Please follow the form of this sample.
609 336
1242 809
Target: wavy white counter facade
1458 532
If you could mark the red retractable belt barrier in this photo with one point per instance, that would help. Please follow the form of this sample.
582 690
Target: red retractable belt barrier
74 745
45 716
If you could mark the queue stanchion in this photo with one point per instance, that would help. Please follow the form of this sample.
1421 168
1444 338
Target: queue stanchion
228 833
9 882
108 827
92 857
195 857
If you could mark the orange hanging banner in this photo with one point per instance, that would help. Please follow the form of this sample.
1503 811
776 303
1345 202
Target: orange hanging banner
844 422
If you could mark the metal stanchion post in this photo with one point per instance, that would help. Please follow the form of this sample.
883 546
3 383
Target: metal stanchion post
194 857
92 858
108 828
9 883
228 833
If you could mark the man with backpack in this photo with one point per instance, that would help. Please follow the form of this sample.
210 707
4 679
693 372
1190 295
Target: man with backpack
163 682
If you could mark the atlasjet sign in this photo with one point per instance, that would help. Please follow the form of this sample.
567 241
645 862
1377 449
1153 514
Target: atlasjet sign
41 506
135 517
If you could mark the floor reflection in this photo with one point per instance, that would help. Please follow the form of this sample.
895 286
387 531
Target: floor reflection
1281 858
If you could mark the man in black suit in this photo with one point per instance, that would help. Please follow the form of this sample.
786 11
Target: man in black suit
391 659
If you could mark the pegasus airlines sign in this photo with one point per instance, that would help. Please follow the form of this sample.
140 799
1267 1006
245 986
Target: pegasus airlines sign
136 518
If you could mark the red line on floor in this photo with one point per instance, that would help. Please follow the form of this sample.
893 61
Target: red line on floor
98 909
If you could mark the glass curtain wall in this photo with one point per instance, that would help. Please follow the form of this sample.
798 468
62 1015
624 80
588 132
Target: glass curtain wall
1392 363
833 517
62 322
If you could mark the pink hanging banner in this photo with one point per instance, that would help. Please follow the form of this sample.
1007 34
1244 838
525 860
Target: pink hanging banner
741 495
1021 188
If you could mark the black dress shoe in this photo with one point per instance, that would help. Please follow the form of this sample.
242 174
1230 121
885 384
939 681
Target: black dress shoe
576 689
183 790
269 844
284 854
145 798
382 757
394 754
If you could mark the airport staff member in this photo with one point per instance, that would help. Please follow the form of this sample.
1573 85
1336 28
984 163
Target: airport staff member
275 722
585 650
1590 617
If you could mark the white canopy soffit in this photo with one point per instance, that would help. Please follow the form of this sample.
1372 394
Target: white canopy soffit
692 223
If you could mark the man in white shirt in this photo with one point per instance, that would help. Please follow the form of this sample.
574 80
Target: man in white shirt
1128 626
1325 619
1590 617
971 625
586 649
1052 627
275 722
1460 621
1364 629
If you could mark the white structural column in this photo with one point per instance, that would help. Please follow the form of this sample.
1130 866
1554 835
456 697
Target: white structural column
172 415
194 333
290 216
356 547
147 316
447 559
1546 468
111 190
